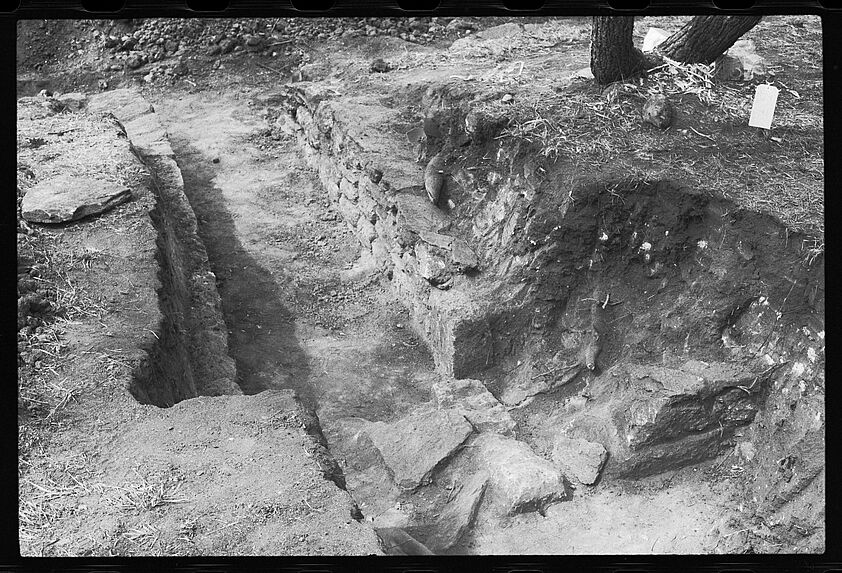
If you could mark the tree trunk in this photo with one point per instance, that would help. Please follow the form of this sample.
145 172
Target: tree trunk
613 56
705 38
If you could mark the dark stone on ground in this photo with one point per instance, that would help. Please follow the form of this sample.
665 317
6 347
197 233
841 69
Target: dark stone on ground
658 111
135 62
379 66
69 198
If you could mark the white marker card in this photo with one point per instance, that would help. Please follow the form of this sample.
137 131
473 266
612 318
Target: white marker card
763 108
653 37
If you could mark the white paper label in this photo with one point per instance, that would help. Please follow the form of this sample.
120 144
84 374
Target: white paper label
763 109
653 37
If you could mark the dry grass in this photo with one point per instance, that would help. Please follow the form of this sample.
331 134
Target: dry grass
145 537
145 495
59 266
711 147
48 391
45 390
53 377
48 492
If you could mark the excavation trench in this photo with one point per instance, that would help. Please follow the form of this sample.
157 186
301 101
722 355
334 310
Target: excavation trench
588 333
466 366
188 356
556 358
206 344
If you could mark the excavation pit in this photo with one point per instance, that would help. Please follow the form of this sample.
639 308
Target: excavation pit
604 337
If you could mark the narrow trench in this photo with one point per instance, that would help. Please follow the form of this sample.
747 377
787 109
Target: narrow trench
165 377
261 330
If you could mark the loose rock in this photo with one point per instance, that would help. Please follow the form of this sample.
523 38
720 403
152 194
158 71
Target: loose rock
73 101
476 403
135 61
380 66
432 266
412 447
227 45
579 459
464 258
461 24
658 111
502 31
753 65
69 198
520 480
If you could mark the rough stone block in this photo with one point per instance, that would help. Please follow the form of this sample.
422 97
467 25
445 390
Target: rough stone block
413 446
432 266
125 104
753 65
74 101
520 480
502 31
365 231
348 211
675 402
418 214
348 189
579 459
475 402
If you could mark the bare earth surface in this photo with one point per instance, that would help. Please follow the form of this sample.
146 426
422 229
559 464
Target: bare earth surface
313 327
355 368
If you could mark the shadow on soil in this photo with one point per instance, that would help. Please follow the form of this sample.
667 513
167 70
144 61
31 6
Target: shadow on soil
261 337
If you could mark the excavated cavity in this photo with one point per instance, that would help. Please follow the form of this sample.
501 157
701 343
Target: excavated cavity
577 277
165 377
643 317
672 269
262 344
188 356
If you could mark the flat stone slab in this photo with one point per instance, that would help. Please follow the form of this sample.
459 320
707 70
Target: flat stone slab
148 135
579 459
125 104
476 403
413 446
138 118
70 198
520 480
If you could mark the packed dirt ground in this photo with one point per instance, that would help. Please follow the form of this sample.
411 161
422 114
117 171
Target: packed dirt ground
357 388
